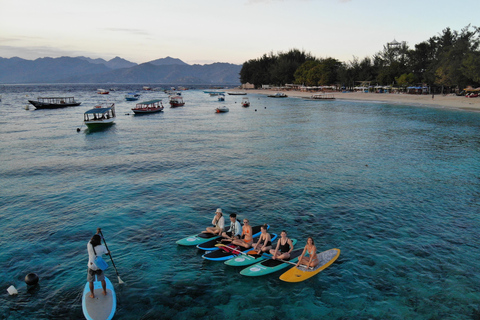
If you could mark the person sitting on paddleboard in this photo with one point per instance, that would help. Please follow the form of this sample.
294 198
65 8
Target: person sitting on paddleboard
235 228
218 223
284 247
247 239
312 259
95 248
264 243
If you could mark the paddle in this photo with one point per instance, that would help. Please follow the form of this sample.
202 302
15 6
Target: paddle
222 245
111 258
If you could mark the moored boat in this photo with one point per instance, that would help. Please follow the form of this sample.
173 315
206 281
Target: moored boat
176 101
102 91
151 106
237 93
278 95
221 109
100 116
54 102
101 306
245 102
324 96
132 96
221 97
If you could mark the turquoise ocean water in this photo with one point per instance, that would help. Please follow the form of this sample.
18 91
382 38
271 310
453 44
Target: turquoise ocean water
395 187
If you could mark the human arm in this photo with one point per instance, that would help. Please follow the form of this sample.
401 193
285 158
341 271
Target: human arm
300 258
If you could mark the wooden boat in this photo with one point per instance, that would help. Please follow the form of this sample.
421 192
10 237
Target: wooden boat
176 101
278 95
101 307
132 96
102 91
237 93
221 109
100 116
54 102
151 106
221 97
245 102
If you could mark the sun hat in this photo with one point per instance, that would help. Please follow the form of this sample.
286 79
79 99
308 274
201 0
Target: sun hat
219 210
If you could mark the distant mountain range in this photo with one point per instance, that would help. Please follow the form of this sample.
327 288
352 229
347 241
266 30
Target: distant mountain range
117 70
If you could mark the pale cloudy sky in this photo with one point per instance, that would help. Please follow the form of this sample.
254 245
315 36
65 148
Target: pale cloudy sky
221 30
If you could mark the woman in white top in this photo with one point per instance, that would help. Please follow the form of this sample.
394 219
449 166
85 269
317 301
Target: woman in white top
95 248
218 223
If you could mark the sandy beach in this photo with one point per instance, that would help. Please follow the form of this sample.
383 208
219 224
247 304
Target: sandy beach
438 101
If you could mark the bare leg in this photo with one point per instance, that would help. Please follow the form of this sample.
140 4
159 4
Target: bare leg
92 295
104 286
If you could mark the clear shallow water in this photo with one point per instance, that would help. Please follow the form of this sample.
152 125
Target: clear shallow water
396 188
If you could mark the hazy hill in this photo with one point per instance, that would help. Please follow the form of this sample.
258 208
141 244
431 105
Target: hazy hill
85 70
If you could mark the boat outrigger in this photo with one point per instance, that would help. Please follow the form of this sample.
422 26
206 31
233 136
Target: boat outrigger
100 116
54 102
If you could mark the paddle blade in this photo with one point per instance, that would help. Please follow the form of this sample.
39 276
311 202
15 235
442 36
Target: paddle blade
120 280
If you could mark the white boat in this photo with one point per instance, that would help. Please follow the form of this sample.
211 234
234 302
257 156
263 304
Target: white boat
324 96
102 306
245 102
278 95
132 96
237 93
100 116
221 109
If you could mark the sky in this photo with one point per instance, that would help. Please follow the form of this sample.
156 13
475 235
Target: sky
233 31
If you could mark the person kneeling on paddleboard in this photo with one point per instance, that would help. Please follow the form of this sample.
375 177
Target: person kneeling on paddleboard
312 260
284 247
235 229
96 248
218 223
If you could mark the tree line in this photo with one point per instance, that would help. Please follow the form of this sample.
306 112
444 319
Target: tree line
448 60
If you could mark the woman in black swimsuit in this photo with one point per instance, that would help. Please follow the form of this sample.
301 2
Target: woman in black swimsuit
264 243
284 247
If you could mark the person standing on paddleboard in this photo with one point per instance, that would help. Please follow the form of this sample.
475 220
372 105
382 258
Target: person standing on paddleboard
264 243
218 223
312 259
247 238
95 248
235 228
284 247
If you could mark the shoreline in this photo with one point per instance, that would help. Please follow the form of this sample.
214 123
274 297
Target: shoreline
439 101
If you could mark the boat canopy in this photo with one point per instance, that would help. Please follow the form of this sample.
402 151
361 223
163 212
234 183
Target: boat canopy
150 102
98 110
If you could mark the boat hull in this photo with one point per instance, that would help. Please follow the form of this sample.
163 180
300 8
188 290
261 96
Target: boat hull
144 111
42 105
96 124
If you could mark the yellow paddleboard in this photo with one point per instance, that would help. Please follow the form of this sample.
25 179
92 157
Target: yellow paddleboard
302 273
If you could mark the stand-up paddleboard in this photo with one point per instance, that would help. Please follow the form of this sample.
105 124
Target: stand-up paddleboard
270 266
197 239
246 260
300 273
210 245
101 307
